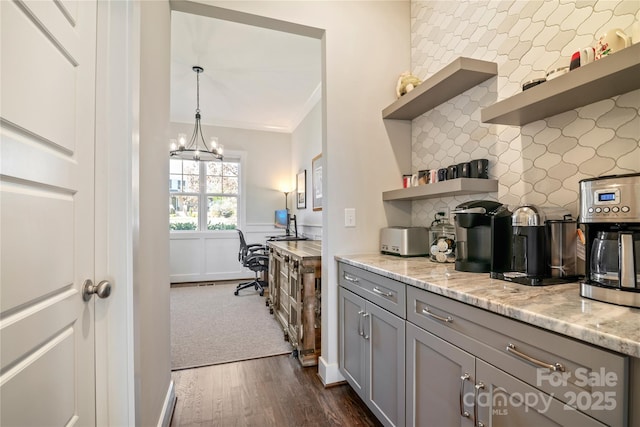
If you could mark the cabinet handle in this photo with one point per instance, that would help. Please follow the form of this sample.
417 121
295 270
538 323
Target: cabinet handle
360 331
476 423
447 319
463 378
350 278
365 336
384 294
511 348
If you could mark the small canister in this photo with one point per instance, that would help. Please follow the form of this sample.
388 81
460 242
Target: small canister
442 236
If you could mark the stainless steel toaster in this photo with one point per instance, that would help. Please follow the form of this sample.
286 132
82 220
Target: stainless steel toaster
404 241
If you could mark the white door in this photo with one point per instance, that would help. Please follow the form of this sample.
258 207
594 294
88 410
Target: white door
47 109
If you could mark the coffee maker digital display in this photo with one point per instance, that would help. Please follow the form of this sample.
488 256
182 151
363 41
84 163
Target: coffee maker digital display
610 221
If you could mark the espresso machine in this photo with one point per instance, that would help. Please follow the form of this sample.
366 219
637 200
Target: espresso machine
483 230
610 221
543 247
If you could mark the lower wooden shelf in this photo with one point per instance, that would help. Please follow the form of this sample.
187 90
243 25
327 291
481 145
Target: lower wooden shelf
452 187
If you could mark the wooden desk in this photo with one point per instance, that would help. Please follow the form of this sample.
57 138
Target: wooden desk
294 298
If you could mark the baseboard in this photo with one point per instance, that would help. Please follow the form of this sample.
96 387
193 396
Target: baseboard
168 406
329 373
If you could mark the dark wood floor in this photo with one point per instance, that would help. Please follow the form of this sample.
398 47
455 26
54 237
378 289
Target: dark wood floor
273 391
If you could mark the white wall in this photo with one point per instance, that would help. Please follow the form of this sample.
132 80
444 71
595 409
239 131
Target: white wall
306 143
366 46
152 347
266 170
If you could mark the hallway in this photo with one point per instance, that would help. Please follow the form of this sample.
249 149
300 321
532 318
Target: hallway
272 391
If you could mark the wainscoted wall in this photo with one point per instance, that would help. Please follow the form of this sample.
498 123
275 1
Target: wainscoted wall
542 162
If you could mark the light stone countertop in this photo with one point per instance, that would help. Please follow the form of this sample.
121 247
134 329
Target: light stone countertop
558 308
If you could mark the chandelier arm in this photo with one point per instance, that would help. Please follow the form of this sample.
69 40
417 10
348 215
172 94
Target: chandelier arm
199 132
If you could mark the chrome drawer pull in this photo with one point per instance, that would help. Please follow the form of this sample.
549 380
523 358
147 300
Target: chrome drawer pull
555 367
360 330
365 336
463 378
350 278
447 319
384 294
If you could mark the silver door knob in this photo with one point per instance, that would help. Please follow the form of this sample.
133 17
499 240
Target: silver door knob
102 289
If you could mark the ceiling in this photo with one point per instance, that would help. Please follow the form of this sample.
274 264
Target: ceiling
254 78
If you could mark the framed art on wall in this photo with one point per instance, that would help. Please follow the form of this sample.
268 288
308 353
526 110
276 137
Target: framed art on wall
316 181
301 190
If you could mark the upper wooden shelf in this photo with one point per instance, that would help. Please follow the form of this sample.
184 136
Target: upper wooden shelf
453 187
460 75
607 77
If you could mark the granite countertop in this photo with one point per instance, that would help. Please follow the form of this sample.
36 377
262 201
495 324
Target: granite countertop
558 308
307 249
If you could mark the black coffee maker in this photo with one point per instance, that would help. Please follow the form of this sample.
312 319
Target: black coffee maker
483 230
543 247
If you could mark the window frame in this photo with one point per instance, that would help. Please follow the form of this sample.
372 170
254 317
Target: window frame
203 196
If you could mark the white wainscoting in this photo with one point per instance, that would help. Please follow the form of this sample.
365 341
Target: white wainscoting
206 256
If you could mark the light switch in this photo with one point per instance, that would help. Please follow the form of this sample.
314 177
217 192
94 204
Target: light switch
349 217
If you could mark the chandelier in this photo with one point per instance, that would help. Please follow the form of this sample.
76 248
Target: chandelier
196 148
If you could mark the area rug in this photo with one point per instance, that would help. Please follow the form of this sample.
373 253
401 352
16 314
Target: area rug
210 325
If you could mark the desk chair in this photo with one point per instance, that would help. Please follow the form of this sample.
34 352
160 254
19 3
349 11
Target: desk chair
255 257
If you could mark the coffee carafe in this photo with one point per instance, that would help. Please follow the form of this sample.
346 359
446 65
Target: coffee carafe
610 220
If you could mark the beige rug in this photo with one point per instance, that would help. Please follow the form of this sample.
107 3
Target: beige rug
210 325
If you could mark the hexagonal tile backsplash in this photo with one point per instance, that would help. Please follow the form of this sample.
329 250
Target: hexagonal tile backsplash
542 162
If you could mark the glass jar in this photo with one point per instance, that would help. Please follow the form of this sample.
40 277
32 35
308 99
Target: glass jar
442 236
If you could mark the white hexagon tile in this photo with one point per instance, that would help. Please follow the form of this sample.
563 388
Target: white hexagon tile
541 162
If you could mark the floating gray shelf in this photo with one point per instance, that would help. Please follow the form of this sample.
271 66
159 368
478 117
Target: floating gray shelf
453 187
455 78
610 76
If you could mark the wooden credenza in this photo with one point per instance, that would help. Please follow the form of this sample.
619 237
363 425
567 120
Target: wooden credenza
294 294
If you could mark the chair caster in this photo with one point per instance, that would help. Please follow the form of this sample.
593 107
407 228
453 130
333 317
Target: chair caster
261 292
235 292
266 303
271 311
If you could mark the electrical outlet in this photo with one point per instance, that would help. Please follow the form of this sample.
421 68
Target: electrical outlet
349 217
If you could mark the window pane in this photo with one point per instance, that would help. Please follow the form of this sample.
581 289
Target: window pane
214 184
175 166
214 168
222 213
175 182
230 169
183 212
230 185
191 167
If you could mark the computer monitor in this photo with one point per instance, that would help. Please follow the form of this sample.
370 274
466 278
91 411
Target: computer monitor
282 219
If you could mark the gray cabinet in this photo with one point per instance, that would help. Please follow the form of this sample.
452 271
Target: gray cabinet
523 376
440 378
447 386
371 350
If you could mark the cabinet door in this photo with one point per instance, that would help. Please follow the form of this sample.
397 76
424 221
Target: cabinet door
505 401
352 344
385 335
439 382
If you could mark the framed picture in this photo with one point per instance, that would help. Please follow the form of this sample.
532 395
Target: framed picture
316 181
301 190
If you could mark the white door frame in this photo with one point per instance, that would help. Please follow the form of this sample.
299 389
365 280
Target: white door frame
117 100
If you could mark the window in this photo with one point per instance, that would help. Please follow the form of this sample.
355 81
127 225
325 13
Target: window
204 195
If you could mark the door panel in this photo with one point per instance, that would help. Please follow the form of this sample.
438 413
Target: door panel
386 364
508 402
352 345
47 117
434 368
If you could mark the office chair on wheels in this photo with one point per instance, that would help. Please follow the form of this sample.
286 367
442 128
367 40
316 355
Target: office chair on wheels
255 257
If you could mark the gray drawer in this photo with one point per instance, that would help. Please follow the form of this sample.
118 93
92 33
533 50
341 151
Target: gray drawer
388 294
487 336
